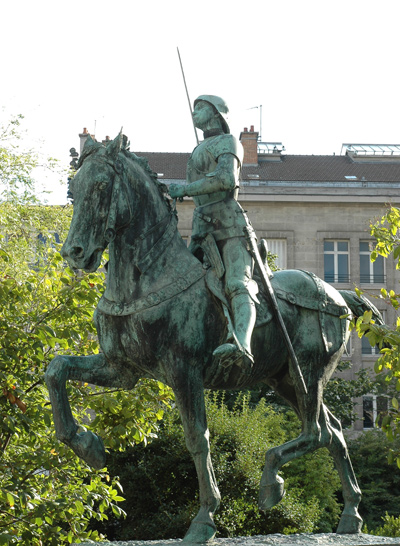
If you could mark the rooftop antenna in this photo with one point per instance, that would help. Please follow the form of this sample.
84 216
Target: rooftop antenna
187 94
253 108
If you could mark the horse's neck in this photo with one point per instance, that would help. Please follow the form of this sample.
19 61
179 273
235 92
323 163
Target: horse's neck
147 254
131 277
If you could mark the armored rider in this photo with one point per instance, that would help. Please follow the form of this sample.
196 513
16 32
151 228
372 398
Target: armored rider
213 182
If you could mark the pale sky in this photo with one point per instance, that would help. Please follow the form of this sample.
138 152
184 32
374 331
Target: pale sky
324 71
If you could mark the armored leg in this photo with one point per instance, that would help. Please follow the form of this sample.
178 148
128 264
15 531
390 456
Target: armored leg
241 291
244 315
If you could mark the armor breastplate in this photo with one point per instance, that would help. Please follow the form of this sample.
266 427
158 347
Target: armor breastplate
217 212
203 161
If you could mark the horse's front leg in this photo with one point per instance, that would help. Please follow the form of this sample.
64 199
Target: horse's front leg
190 400
93 369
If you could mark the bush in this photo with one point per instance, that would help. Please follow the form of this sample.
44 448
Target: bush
390 528
161 488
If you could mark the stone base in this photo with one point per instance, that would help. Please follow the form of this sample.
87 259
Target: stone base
304 539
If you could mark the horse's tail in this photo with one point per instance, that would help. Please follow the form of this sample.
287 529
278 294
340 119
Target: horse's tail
358 305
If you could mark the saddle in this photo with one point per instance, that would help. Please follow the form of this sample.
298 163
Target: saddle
292 288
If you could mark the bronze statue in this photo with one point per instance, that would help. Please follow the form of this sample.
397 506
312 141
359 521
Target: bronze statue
218 220
158 318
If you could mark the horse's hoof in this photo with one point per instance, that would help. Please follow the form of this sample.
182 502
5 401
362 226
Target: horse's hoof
271 494
199 533
89 447
349 524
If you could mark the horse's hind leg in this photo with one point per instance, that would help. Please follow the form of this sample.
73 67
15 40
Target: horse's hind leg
190 400
310 438
91 369
351 521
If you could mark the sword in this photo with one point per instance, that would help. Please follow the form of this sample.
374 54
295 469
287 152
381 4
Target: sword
294 368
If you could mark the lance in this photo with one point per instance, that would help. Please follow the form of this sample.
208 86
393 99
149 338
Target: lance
187 94
296 374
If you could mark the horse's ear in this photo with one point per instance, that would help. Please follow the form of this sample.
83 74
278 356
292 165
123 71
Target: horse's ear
90 143
114 146
90 147
125 143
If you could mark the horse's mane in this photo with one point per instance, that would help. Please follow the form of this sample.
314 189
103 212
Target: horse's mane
144 164
93 146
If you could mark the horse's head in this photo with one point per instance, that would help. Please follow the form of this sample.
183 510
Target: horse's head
95 192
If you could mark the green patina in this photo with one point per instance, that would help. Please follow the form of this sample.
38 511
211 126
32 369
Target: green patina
183 316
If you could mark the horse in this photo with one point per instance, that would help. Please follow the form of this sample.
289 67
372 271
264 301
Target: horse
159 319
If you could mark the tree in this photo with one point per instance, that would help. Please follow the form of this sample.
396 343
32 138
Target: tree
17 165
387 234
47 494
377 481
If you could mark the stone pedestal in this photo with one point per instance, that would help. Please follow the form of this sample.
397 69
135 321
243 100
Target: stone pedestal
323 539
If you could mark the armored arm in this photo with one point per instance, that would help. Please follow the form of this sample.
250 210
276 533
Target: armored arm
224 177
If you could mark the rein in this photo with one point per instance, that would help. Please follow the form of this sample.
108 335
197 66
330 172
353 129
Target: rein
165 293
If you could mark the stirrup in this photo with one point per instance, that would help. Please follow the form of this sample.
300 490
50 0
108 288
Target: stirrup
229 354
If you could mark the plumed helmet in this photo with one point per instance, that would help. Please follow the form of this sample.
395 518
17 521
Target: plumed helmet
220 106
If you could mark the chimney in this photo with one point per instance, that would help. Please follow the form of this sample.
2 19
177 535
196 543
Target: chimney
82 137
249 142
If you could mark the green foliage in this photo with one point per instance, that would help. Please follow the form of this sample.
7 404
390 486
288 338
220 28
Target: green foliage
48 496
15 166
387 234
47 493
380 486
390 527
386 231
161 486
271 259
17 183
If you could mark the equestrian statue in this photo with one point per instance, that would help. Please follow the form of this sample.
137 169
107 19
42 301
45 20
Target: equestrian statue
200 318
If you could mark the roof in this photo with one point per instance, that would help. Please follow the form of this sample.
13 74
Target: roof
170 165
295 168
324 168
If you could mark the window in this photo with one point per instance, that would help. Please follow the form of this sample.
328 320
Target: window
336 261
374 407
370 272
278 247
366 348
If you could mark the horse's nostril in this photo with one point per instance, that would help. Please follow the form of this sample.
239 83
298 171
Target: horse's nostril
76 252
